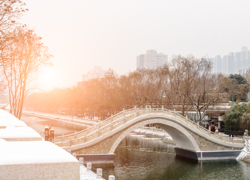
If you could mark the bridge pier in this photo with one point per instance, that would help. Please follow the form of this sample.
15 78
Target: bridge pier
207 155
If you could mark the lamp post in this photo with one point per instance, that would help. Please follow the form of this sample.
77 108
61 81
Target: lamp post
46 129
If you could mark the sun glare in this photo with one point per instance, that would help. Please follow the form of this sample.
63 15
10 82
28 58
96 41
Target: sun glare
47 80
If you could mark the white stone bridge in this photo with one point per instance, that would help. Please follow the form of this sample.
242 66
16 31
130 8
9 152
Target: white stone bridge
192 141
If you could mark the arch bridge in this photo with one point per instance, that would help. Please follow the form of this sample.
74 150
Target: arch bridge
192 141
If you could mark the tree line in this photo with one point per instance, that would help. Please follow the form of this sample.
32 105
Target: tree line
185 84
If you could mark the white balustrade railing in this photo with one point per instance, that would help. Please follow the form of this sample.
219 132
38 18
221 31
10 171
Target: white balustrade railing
246 139
128 115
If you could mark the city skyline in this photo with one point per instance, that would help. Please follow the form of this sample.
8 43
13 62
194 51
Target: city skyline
112 34
232 63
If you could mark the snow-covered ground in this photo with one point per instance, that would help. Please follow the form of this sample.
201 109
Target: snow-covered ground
33 152
6 119
12 133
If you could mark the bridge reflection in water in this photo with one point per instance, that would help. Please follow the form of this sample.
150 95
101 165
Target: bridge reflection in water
144 143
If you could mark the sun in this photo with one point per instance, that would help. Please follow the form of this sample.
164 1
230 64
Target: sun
47 80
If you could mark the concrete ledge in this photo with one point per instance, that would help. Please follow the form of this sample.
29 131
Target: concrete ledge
97 158
217 155
207 155
53 171
36 160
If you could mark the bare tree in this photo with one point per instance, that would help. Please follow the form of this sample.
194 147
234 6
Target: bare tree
20 60
182 73
204 89
10 11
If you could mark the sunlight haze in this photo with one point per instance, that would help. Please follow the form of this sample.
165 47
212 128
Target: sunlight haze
111 34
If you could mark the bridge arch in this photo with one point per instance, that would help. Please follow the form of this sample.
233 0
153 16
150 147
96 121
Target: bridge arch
192 141
182 138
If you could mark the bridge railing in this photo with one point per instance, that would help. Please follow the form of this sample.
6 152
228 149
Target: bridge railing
121 118
96 129
216 135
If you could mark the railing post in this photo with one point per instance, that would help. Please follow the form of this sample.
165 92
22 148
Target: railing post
99 173
81 159
174 113
135 109
111 123
123 112
198 125
111 177
186 118
85 139
89 166
162 108
136 112
148 107
124 120
247 144
246 139
99 130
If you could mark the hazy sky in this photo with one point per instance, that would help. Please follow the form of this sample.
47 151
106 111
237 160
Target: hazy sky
112 33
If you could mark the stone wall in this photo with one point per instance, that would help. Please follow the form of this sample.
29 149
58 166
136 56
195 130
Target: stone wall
52 171
102 147
206 145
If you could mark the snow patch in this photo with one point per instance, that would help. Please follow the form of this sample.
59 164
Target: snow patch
18 132
33 152
7 119
242 155
2 141
85 174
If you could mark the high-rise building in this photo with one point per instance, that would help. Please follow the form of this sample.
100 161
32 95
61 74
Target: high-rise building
233 63
224 64
151 60
232 68
242 59
96 72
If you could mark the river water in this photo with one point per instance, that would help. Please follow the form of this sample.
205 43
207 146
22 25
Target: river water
39 124
138 159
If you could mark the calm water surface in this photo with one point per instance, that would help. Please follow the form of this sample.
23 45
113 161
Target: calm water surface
38 124
133 163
